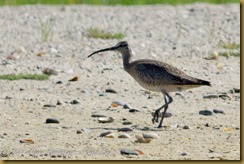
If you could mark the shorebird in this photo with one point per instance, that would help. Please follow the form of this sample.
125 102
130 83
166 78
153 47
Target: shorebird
155 76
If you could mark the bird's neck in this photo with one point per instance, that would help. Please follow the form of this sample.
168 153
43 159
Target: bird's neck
126 60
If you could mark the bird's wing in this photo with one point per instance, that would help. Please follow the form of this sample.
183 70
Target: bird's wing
158 73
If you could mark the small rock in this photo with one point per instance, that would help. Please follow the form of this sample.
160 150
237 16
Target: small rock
29 141
236 90
101 94
128 152
40 53
59 82
78 131
74 79
150 135
183 154
139 151
105 133
127 106
111 135
49 71
218 111
49 105
53 50
209 96
205 112
114 105
98 115
127 123
8 97
118 103
51 120
141 139
134 110
58 103
105 119
213 56
73 102
124 129
185 127
125 135
111 91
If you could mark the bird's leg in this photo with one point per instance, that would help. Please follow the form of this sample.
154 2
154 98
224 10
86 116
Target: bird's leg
156 113
170 100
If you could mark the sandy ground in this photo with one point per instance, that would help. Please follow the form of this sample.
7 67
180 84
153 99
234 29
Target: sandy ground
182 36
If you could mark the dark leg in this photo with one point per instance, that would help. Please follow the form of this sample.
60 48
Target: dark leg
170 100
156 113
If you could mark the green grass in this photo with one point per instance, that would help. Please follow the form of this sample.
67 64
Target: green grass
228 54
23 76
111 2
231 46
46 28
97 33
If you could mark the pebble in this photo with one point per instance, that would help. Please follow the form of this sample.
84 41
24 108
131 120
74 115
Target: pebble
215 95
111 135
73 102
139 151
185 127
127 123
127 106
58 103
51 120
218 111
105 119
128 152
134 110
29 141
49 71
125 129
118 103
105 133
150 135
205 112
125 135
111 91
98 115
183 154
141 139
213 56
78 131
236 90
49 105
76 78
59 82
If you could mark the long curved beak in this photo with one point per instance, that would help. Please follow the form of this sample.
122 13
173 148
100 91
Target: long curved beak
102 50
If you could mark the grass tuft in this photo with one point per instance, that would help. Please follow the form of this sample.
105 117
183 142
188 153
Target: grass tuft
231 46
228 54
23 76
97 33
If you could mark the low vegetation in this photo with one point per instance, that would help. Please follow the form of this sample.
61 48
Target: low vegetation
23 76
111 2
97 33
231 46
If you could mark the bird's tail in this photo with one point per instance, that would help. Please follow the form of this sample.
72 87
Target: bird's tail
203 82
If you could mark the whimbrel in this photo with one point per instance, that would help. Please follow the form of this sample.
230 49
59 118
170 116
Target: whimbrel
155 76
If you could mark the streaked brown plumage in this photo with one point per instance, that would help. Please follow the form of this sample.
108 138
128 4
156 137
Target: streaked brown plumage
155 76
